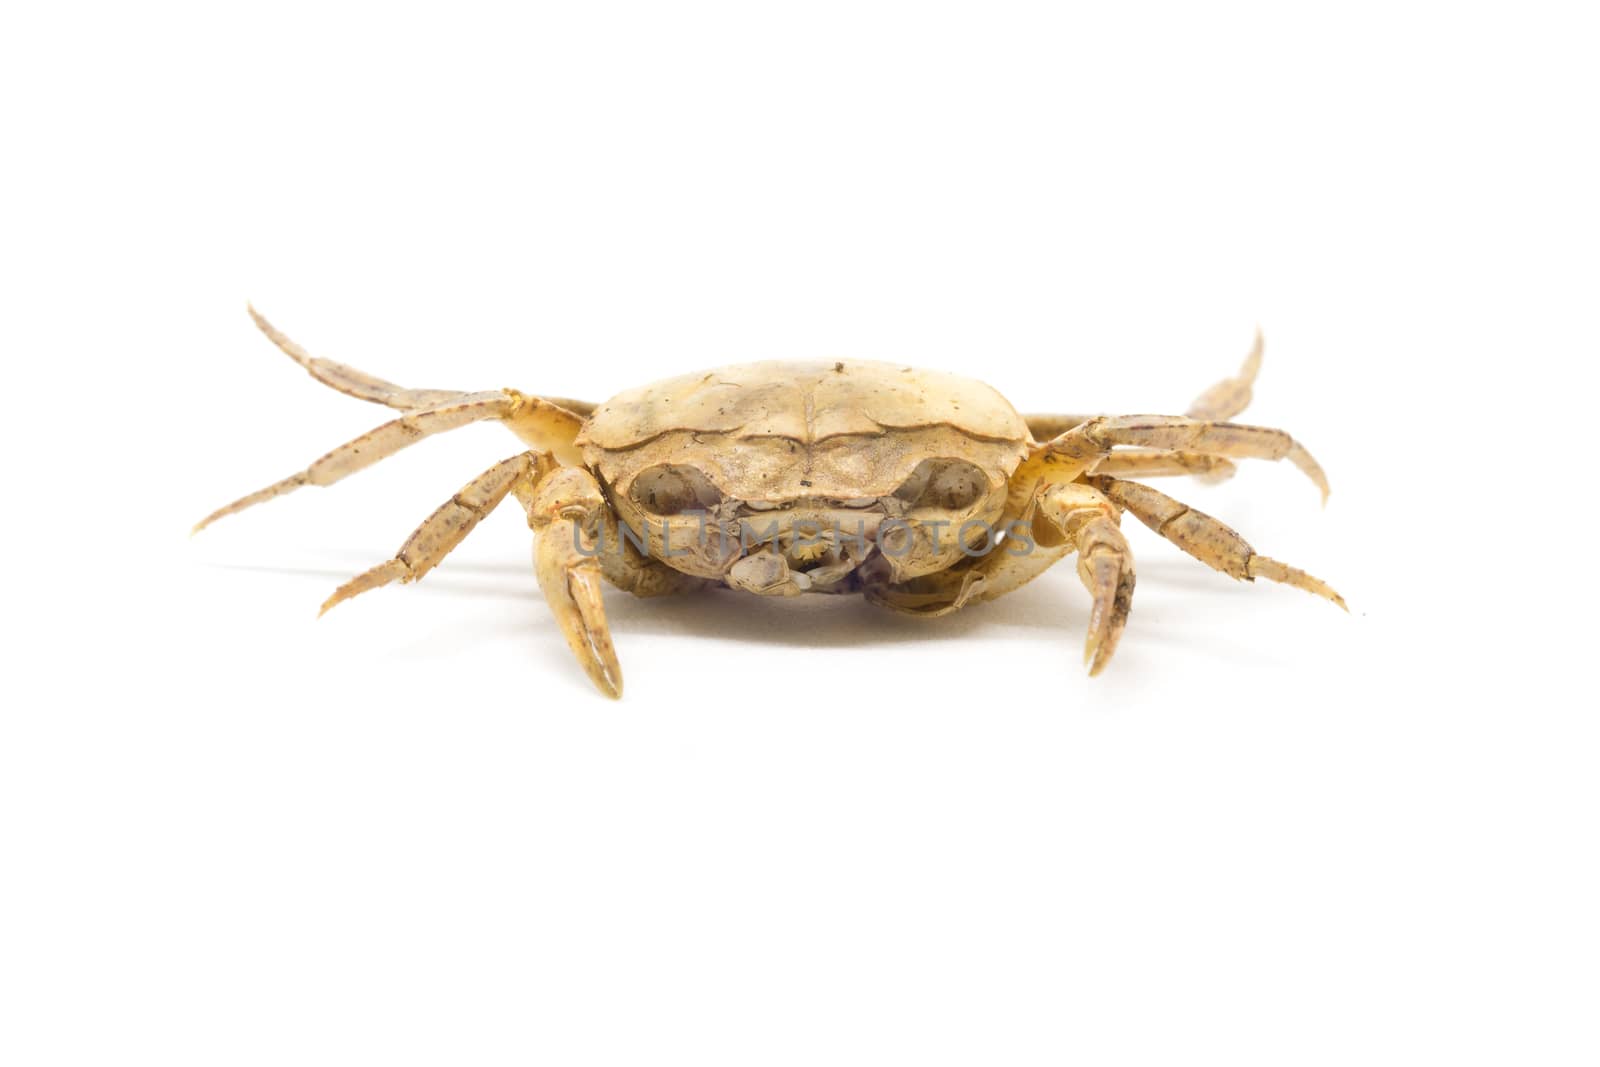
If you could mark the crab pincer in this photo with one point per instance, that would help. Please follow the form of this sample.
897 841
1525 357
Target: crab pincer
566 516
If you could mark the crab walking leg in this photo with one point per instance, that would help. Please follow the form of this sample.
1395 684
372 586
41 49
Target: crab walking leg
378 444
1231 395
1208 540
1084 445
543 422
1155 463
350 381
449 525
1217 404
567 514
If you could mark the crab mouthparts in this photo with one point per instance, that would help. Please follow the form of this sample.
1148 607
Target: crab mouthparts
804 557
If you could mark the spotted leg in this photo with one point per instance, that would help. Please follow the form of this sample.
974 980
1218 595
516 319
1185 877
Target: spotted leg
1206 539
1219 403
375 445
449 525
363 386
566 510
1157 463
1083 448
536 421
1231 395
543 424
1210 438
352 382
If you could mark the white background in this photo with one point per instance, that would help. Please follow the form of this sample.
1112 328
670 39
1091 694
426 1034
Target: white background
812 832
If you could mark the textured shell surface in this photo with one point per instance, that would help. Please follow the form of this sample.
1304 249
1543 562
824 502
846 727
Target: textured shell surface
781 430
805 402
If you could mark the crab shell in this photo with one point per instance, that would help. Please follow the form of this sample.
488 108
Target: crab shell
781 446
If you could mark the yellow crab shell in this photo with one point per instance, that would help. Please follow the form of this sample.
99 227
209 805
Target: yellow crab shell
777 432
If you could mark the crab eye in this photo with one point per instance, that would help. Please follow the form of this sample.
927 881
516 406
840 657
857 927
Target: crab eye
950 484
671 489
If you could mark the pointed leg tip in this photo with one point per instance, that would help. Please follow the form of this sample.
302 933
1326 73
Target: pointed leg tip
340 595
1277 571
1325 591
376 578
1309 466
207 521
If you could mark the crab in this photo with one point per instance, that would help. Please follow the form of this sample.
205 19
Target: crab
921 491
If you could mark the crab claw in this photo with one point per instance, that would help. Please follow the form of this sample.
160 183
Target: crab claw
571 583
1108 575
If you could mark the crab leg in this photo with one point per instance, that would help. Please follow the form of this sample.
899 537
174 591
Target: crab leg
1156 463
448 526
1084 445
1206 539
350 381
378 444
567 514
543 422
1231 395
1217 404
